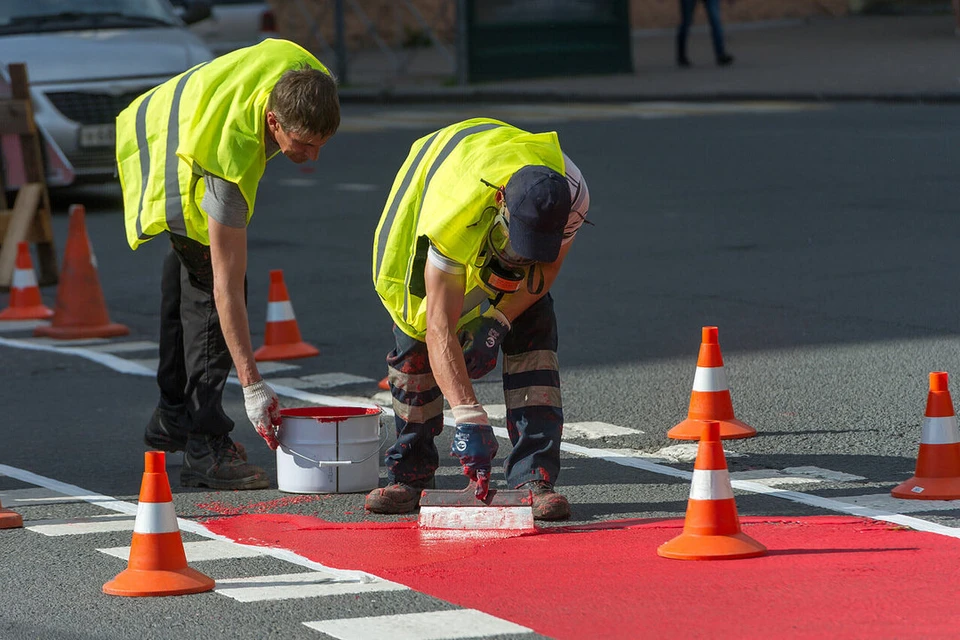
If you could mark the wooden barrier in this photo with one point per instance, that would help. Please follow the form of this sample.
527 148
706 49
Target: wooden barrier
29 219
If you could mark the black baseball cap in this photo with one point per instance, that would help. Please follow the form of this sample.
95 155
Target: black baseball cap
538 199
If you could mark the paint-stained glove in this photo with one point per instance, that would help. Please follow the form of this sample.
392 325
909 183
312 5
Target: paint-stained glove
475 445
263 409
480 339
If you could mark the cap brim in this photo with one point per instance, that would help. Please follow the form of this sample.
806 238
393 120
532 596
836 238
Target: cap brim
535 245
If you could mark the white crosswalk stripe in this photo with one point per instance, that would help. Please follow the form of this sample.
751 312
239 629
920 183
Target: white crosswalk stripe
435 625
310 584
197 551
75 526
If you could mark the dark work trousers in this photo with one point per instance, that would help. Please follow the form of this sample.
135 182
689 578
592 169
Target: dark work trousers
531 390
194 359
687 8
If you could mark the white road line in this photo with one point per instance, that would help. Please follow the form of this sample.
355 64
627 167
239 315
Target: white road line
311 584
34 496
595 430
887 502
331 380
79 526
124 347
197 551
118 364
436 625
130 509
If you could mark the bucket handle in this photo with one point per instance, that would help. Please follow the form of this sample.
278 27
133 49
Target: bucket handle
336 463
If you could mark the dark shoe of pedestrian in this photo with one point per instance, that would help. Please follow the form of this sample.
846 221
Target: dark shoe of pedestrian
547 503
397 497
215 462
164 434
725 60
683 62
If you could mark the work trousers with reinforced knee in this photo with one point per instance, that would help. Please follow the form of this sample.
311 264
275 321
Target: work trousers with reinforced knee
531 392
194 359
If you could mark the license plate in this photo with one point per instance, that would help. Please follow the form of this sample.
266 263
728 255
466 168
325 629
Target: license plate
98 135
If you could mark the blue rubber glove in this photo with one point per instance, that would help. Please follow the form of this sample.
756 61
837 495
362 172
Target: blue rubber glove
475 445
480 339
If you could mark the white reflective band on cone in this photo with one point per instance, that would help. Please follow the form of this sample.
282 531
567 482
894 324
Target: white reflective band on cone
23 278
710 484
155 517
279 311
939 430
710 379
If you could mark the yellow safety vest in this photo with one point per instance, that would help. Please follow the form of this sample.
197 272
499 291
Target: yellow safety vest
438 197
212 115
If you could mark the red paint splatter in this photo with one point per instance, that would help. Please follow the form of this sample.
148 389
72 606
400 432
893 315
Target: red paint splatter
224 509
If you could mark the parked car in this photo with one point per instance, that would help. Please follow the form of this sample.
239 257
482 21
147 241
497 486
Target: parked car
232 23
86 62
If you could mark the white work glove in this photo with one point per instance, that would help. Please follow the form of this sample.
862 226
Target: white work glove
263 409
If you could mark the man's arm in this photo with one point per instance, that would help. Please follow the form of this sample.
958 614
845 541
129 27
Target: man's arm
514 304
228 253
445 293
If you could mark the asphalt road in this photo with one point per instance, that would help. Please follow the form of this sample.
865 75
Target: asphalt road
820 239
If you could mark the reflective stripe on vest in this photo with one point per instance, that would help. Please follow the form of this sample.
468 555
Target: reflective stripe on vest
171 176
443 155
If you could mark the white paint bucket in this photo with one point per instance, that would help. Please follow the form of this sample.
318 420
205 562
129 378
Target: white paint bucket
329 449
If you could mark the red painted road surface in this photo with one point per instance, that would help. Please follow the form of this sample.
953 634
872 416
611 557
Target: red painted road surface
824 577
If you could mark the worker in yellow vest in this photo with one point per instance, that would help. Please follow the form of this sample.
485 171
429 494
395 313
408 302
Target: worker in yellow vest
475 229
190 155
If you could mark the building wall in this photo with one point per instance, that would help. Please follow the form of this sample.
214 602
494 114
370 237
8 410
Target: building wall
300 20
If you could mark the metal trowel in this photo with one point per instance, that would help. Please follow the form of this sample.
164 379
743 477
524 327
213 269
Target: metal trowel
510 510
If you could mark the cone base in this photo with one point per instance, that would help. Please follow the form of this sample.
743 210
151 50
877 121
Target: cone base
79 332
10 519
732 429
35 312
142 582
285 351
689 546
928 489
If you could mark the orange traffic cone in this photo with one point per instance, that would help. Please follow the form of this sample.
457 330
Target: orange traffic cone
158 563
9 519
711 530
80 311
384 384
25 301
710 398
282 339
937 475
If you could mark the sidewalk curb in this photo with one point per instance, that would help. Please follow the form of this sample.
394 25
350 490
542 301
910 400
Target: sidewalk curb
480 96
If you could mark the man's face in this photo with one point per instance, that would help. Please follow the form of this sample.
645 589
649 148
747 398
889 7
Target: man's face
298 147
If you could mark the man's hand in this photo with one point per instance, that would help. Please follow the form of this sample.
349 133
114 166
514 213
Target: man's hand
475 445
263 409
480 339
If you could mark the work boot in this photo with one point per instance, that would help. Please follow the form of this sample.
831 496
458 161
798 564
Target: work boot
215 462
164 434
396 497
724 59
547 503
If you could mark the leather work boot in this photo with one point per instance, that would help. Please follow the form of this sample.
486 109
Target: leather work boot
547 503
396 498
215 462
164 434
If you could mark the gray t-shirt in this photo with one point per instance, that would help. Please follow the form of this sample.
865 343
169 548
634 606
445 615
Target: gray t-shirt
222 200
